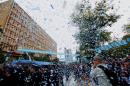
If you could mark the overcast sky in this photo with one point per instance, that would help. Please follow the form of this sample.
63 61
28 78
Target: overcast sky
54 17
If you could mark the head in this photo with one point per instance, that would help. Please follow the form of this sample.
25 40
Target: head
97 60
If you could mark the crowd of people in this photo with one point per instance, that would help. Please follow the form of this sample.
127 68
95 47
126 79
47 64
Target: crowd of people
53 75
93 75
120 68
31 75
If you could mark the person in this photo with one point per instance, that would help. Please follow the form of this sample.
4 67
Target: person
97 75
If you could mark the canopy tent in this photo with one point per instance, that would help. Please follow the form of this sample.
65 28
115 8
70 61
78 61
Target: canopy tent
36 63
40 63
113 45
22 61
39 51
43 52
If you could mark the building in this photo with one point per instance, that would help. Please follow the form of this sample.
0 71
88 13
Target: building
68 55
21 31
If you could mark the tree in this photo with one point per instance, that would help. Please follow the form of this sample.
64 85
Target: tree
126 29
91 23
126 36
45 58
104 36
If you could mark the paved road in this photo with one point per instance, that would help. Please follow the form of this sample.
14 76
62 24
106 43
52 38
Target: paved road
71 82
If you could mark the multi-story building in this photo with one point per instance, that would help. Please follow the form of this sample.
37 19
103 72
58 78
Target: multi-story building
21 31
68 55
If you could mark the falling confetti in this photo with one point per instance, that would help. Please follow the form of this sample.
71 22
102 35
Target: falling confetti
35 8
57 28
60 48
45 19
52 6
111 1
64 4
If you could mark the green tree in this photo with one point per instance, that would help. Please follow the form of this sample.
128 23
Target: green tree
105 36
126 36
44 58
126 29
91 23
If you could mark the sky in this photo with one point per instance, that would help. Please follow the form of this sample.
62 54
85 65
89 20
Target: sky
54 17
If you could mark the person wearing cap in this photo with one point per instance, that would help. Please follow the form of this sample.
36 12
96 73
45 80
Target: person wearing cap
97 75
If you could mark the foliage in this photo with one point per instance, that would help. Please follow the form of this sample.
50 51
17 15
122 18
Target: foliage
55 60
45 58
119 52
105 36
41 59
91 23
126 36
123 50
127 26
126 29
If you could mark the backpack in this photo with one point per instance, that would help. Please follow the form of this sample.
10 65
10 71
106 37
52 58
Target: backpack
111 75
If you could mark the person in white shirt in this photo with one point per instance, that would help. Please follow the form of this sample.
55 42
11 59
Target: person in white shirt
97 75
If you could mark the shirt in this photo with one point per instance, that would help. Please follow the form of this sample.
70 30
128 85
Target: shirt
98 77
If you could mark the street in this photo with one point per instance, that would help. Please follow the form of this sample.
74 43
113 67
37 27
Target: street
72 82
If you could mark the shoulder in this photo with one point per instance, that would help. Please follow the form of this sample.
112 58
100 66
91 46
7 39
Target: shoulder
98 72
100 67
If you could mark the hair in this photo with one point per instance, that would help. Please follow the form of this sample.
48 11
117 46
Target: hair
101 59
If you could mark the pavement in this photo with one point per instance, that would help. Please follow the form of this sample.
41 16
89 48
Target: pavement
72 82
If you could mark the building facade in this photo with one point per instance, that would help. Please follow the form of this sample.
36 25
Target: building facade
68 55
21 31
